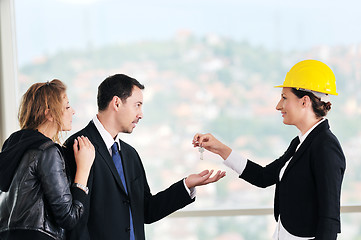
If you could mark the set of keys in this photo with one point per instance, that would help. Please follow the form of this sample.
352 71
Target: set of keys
201 150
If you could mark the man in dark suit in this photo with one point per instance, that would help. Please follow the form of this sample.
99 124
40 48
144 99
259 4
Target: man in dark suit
120 200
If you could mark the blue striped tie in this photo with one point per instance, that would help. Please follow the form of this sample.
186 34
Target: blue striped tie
118 164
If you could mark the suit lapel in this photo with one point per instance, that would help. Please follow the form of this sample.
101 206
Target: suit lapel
305 145
103 152
127 166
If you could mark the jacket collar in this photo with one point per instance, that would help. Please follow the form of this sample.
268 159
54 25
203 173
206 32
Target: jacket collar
103 151
13 150
323 126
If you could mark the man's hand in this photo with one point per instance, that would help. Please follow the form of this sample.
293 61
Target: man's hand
203 178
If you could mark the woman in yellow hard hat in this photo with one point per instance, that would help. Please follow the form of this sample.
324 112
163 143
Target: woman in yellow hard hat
308 176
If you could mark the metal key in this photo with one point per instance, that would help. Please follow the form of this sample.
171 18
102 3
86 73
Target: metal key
201 150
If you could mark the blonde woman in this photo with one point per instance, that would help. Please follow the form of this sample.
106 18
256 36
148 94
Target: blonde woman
36 200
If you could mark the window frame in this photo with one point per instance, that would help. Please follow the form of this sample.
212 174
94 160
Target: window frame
8 70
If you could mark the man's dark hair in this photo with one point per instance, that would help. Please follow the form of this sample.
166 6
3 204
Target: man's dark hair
119 85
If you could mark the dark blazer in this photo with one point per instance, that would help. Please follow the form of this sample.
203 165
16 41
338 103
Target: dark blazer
308 196
107 211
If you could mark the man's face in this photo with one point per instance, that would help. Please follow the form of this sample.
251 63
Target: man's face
130 111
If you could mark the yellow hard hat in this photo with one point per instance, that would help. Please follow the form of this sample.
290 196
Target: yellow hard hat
311 75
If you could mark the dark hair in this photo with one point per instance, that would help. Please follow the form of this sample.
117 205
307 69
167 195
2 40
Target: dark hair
119 85
319 107
39 98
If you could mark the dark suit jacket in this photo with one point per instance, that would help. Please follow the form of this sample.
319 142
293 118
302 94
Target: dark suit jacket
107 211
308 196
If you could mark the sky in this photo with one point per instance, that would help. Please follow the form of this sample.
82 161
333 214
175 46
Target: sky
47 26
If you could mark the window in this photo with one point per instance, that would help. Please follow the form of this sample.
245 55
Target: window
208 66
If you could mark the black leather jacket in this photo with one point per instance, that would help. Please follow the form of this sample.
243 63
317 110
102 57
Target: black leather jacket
39 197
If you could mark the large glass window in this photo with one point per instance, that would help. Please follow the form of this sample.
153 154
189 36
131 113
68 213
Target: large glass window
207 66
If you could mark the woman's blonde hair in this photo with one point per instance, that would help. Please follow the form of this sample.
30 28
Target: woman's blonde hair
39 98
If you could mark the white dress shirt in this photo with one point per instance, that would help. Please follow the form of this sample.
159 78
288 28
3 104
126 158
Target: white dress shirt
109 141
238 164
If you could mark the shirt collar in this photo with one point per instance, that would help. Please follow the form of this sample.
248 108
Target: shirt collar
107 138
304 136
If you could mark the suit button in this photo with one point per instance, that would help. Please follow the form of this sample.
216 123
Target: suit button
127 229
126 202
